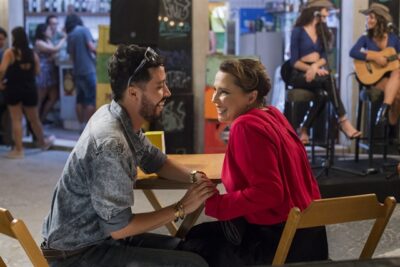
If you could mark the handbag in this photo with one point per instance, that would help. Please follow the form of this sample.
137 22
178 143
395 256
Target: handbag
234 230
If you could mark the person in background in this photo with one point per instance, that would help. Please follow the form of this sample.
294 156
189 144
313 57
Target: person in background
212 37
378 37
308 60
56 35
18 69
82 50
265 173
90 222
3 41
47 80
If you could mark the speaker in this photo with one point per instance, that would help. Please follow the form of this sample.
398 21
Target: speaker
134 22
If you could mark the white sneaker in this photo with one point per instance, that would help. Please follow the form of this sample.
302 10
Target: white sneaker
48 142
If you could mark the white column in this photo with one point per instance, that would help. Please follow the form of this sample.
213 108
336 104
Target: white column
200 49
15 8
352 27
15 14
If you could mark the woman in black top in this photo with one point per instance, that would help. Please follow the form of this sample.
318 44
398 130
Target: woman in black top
18 69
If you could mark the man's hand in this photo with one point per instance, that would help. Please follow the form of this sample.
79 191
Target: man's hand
197 194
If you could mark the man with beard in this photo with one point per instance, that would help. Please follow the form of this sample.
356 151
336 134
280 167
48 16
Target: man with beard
90 222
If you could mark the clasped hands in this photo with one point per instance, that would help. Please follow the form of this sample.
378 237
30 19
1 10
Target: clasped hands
198 192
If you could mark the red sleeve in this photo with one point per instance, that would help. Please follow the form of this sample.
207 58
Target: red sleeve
253 150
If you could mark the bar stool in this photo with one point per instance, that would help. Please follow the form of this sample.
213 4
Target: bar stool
372 98
294 98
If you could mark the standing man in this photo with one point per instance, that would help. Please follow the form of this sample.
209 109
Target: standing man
3 42
81 48
56 35
90 221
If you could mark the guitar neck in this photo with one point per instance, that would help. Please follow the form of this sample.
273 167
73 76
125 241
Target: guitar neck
392 58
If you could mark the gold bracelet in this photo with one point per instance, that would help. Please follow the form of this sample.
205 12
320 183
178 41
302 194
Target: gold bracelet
179 211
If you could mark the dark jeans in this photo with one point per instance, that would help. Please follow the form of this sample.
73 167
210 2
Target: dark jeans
258 245
142 250
319 83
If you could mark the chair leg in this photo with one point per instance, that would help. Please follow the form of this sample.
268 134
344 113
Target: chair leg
385 141
359 117
371 134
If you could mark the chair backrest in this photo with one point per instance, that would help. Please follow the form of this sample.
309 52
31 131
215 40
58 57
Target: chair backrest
157 139
16 229
2 264
338 210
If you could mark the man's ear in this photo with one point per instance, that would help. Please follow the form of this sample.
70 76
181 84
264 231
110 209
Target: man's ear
132 91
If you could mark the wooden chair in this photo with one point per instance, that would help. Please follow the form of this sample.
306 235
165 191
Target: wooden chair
16 229
157 139
338 210
2 264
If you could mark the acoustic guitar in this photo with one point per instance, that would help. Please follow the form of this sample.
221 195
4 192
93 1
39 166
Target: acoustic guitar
368 72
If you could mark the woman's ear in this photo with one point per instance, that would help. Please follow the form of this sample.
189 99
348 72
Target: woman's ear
253 96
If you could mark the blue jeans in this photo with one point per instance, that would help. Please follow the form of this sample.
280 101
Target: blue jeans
141 250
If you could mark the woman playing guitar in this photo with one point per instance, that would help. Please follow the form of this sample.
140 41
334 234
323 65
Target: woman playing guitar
372 50
308 59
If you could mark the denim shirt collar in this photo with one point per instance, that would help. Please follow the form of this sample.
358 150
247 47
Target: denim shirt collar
133 138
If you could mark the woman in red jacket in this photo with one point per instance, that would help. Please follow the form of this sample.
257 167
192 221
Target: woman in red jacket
265 172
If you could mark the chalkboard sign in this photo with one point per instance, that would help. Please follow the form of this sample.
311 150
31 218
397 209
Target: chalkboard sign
175 43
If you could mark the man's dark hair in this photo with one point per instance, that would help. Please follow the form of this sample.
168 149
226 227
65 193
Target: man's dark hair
123 64
49 17
3 32
72 21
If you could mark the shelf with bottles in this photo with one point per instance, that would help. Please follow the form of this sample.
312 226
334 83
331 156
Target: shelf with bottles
81 14
84 7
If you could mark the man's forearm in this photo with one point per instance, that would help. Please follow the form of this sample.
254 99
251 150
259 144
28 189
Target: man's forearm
174 171
144 222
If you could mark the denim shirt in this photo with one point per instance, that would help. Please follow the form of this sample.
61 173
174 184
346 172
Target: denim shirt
95 192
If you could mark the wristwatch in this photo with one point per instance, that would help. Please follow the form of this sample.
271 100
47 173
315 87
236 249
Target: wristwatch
193 178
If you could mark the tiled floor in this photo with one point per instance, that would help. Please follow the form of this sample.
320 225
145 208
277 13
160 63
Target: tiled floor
26 187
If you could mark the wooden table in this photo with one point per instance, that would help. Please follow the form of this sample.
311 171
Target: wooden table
211 164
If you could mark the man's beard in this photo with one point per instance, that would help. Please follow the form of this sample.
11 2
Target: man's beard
148 110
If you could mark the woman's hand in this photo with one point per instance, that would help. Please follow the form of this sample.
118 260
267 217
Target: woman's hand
322 72
311 72
197 194
381 61
2 86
